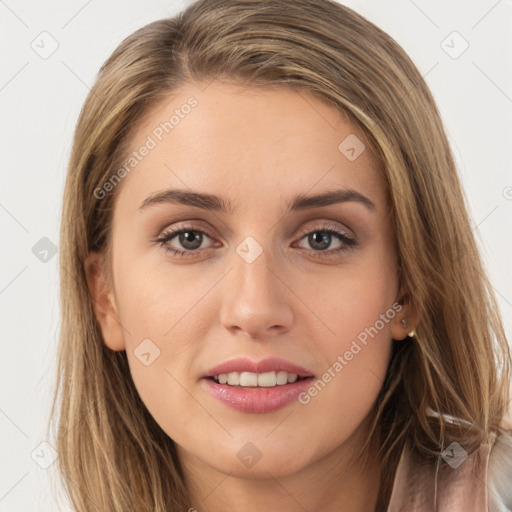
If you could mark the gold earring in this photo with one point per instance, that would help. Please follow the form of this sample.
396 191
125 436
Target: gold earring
404 325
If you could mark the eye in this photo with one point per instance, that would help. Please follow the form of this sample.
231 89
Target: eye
191 241
321 238
189 238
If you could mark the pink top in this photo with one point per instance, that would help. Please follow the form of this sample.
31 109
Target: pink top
457 482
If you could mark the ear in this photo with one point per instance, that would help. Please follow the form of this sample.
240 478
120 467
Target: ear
406 320
103 300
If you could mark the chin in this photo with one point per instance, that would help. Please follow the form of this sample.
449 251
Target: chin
259 459
266 467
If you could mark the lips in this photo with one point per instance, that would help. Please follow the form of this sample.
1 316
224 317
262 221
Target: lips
257 387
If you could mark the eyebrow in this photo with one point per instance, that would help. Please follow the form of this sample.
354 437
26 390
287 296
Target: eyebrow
218 204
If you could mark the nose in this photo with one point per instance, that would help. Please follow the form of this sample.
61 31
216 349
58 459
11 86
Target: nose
256 299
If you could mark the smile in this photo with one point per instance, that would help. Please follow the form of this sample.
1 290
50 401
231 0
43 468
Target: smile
257 387
262 380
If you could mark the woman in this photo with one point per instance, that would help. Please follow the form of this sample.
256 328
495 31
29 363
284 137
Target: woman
271 295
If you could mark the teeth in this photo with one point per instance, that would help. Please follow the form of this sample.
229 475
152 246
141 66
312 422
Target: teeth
248 379
263 380
267 380
282 378
233 379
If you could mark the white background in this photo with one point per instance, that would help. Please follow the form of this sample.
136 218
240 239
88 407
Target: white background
41 100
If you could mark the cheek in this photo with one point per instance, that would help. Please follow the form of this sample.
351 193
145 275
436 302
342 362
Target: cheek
163 329
354 300
357 334
357 310
161 302
162 346
355 355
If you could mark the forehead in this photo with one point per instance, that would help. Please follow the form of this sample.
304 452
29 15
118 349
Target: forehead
246 142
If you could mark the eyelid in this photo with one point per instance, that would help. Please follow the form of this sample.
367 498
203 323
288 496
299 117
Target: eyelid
190 225
324 225
197 225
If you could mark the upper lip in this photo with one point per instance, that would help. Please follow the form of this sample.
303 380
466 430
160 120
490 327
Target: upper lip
270 364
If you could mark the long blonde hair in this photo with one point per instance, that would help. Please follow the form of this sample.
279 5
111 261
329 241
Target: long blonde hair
112 454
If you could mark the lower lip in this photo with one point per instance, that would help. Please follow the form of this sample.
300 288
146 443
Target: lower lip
256 399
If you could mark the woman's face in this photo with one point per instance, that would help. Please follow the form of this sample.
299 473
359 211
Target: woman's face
267 282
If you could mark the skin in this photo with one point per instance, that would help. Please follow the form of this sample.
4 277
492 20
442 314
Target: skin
256 148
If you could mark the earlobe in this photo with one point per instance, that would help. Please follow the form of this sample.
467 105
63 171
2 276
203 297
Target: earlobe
103 301
406 321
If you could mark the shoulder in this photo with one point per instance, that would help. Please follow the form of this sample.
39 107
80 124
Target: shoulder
499 475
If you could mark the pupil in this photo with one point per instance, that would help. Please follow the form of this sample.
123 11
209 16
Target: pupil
320 242
188 239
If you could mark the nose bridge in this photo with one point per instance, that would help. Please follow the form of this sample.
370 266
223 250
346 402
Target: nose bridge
255 279
256 298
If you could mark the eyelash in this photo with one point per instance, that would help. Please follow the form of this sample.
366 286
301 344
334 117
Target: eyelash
348 242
